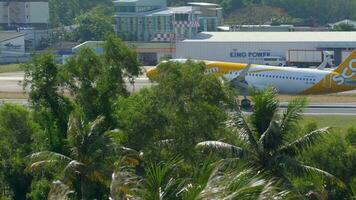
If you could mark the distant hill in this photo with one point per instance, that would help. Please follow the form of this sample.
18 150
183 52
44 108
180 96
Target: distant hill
303 12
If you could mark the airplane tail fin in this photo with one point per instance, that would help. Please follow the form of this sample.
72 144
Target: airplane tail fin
349 62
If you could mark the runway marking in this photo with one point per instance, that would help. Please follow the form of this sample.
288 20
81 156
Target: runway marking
18 78
11 78
330 114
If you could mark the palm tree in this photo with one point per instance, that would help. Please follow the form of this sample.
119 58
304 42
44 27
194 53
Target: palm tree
269 140
90 146
159 183
242 184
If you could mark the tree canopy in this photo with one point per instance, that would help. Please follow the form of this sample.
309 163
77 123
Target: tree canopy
84 136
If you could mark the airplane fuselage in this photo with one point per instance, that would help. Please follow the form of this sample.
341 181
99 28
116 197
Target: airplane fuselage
286 80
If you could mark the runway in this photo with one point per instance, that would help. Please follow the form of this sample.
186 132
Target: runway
334 109
10 83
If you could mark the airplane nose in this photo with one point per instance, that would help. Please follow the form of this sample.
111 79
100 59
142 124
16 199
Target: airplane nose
151 73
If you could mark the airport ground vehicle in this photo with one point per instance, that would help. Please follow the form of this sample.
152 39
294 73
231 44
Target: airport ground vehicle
306 58
274 61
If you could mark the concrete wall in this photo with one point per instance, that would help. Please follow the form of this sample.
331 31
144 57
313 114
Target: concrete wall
38 12
3 12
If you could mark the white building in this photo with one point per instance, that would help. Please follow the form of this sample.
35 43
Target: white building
254 46
24 13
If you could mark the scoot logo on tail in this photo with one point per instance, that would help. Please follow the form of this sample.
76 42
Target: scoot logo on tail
347 73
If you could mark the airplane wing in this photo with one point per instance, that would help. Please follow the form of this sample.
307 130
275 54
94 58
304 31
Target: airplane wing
239 80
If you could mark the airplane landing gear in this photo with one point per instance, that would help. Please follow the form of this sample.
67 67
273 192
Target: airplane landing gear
246 104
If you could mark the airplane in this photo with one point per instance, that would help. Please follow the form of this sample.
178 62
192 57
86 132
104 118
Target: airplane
286 80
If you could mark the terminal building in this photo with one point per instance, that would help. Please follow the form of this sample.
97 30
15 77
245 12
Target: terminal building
153 28
255 47
153 21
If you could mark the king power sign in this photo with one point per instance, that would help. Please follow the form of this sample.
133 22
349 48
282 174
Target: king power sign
249 54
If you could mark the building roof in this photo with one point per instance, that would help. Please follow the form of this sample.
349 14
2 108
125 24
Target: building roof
345 21
274 37
8 35
202 4
125 1
134 45
161 12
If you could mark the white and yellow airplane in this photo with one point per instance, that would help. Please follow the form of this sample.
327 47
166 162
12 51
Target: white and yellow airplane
286 80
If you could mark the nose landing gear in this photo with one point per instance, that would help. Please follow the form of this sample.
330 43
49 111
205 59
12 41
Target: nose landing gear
246 104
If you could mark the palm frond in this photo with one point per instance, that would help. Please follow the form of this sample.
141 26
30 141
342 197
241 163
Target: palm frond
157 184
265 107
200 178
244 132
244 184
238 121
59 191
216 146
293 113
317 170
75 130
271 139
124 183
72 168
299 168
41 165
96 126
43 155
324 173
303 142
117 135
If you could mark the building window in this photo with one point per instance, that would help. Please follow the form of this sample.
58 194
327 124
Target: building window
181 17
125 9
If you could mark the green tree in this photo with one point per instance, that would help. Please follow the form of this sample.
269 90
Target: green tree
94 25
341 164
46 96
96 81
17 131
63 13
268 140
185 107
89 161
